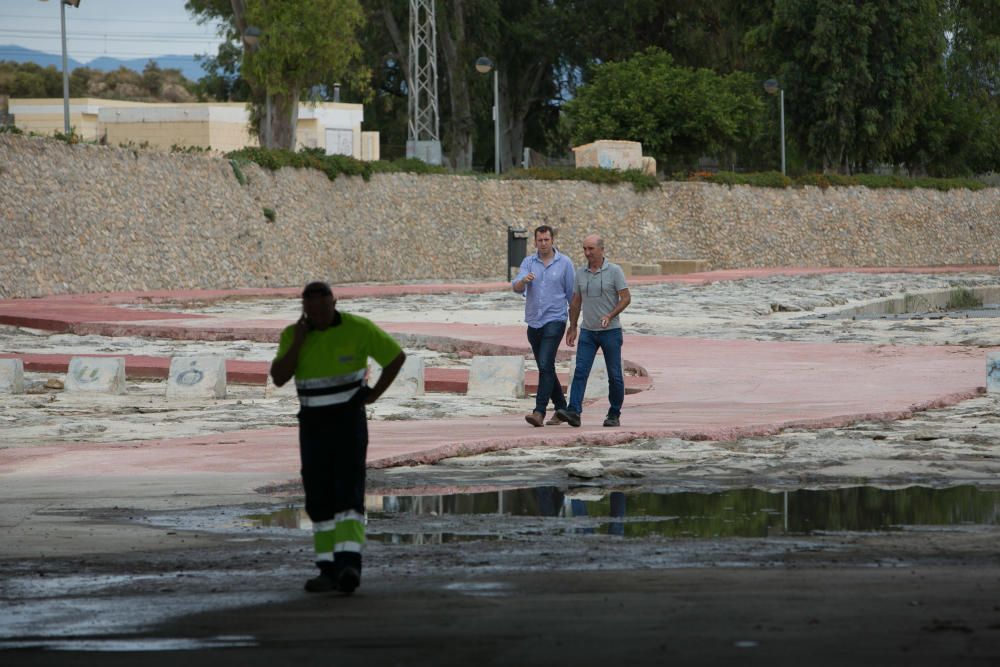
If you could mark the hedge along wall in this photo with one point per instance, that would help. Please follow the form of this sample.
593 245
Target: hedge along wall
88 218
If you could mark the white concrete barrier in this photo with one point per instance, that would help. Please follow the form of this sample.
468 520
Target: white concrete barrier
409 382
500 377
103 375
11 376
273 391
597 383
993 372
197 377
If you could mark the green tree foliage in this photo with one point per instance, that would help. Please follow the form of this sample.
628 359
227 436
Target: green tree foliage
304 43
29 80
960 132
152 85
857 75
678 113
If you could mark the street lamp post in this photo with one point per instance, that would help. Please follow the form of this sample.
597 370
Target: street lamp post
772 86
485 65
65 59
251 37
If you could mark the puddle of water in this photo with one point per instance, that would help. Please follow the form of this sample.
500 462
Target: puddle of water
134 644
734 513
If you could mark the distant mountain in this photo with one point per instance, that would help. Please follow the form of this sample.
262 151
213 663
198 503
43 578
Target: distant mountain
186 64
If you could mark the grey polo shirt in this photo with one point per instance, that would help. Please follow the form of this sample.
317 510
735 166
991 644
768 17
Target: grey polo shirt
599 291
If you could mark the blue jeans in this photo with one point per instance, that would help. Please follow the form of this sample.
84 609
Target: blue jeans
610 342
544 344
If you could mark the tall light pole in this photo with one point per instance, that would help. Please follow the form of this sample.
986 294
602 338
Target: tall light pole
65 59
251 37
772 86
484 66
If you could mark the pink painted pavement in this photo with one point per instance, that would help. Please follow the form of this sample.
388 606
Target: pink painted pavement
698 389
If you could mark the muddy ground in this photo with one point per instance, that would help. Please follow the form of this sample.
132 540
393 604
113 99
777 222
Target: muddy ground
210 578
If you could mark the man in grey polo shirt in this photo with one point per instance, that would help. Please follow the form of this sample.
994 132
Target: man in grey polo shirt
601 293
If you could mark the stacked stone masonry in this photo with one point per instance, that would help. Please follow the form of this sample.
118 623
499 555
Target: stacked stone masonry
87 218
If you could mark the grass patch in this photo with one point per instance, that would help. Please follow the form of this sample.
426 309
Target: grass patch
270 214
961 298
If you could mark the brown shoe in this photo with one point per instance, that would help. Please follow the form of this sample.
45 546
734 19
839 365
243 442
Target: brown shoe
553 421
535 419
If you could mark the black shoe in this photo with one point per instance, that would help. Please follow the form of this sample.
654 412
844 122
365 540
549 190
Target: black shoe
323 583
568 416
349 579
611 421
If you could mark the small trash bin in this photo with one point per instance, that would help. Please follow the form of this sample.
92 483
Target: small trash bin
517 248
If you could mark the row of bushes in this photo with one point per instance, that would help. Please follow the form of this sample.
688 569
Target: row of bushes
774 179
335 165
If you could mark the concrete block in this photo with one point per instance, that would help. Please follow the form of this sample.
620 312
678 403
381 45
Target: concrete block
626 268
197 377
11 376
103 375
273 391
501 377
597 383
409 382
993 373
671 266
610 154
645 269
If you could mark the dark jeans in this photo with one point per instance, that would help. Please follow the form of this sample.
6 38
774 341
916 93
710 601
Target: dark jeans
544 344
610 342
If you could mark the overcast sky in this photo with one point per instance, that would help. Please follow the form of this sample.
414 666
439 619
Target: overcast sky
117 28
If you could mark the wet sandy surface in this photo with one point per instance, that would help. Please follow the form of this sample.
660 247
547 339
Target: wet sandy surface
169 567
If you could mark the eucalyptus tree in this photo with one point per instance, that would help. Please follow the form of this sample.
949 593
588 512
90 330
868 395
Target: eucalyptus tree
303 43
857 75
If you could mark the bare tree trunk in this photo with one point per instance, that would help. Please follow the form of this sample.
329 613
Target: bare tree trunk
402 47
453 48
517 98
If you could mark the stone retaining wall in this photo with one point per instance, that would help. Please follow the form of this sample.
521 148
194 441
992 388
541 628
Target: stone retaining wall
88 218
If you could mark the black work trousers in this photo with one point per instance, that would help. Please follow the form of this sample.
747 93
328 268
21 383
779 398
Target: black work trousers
333 444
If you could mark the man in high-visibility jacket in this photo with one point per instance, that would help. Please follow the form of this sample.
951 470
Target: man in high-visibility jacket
327 352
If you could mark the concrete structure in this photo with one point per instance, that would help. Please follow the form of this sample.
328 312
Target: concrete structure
11 376
993 372
197 377
103 375
409 382
500 376
332 126
608 154
597 382
673 266
45 115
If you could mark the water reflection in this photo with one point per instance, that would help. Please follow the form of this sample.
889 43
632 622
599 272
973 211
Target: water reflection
734 513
